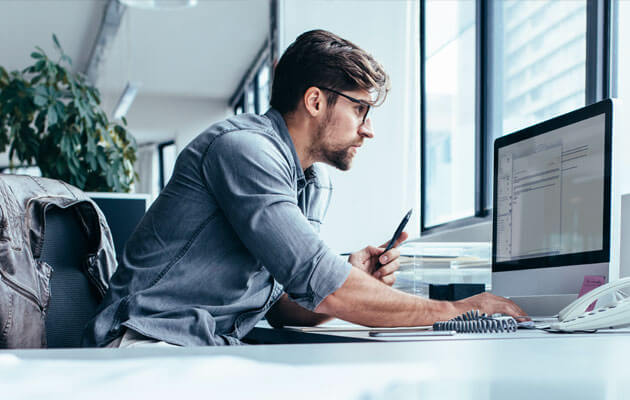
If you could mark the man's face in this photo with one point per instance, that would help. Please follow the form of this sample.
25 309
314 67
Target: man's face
342 131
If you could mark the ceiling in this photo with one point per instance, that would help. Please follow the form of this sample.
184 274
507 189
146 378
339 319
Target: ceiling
200 52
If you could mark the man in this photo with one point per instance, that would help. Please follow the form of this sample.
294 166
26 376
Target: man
234 235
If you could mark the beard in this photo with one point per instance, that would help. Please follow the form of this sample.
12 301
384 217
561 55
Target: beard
340 159
338 156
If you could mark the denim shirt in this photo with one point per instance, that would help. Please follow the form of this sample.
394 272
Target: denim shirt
236 226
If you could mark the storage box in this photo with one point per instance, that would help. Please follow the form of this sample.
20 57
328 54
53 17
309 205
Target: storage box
424 263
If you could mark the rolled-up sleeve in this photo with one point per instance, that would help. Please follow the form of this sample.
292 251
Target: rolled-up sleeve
252 181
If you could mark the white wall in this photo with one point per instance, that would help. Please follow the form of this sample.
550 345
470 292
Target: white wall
162 118
370 200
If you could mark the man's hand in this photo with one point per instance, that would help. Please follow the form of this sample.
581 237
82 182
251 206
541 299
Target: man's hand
367 258
491 304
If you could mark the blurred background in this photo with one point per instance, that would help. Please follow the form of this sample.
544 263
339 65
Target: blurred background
483 69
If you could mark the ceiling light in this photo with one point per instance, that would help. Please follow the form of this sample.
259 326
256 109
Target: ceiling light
159 4
127 97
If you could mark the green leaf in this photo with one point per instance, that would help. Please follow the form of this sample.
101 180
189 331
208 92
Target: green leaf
74 162
36 79
91 160
41 91
40 100
39 65
102 160
80 180
57 42
91 145
40 121
67 59
52 116
59 166
60 110
110 177
64 145
117 185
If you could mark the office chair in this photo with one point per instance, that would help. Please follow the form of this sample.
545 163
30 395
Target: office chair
73 298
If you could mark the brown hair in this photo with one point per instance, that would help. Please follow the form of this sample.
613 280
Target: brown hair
320 58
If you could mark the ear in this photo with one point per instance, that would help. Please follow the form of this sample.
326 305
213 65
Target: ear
314 101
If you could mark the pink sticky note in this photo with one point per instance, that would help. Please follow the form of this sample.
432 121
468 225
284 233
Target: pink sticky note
591 282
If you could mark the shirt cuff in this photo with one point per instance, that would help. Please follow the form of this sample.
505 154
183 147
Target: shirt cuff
330 274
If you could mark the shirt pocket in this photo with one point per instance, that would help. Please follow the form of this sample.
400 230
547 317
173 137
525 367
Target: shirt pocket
314 201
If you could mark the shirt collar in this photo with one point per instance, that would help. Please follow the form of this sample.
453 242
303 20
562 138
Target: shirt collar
280 126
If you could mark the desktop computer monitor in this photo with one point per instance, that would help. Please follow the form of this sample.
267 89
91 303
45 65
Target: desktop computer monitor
552 208
123 213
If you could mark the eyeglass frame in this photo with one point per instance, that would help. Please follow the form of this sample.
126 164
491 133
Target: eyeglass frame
352 99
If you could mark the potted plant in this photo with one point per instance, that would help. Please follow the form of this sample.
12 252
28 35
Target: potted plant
51 116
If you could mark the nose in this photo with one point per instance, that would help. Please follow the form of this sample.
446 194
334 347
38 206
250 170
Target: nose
365 129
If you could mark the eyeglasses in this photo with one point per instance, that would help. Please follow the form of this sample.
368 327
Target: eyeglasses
352 99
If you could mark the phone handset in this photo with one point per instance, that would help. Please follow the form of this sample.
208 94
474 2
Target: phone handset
615 315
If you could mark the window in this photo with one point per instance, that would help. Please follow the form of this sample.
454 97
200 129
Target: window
263 87
538 64
239 107
254 92
167 155
250 98
449 111
491 68
540 61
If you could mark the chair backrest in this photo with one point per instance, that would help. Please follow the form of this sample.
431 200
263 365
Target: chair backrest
73 299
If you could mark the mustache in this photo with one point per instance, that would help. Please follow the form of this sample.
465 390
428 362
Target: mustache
359 144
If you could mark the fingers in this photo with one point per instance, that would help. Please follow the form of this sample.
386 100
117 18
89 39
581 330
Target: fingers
390 263
387 269
386 273
374 251
389 256
508 307
491 304
515 311
403 236
389 280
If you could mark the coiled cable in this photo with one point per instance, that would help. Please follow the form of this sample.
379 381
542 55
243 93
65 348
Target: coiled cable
474 322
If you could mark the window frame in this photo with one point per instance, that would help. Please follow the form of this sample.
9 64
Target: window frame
266 57
161 166
600 83
249 82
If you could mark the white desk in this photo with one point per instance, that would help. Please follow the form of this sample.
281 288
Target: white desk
265 334
557 366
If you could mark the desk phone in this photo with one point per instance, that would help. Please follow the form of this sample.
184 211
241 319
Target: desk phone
616 314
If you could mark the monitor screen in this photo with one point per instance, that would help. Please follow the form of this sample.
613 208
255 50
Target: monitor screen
552 188
123 212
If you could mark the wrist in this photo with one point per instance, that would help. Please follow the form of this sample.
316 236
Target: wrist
455 308
432 311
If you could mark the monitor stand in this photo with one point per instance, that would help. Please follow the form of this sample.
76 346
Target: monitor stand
543 292
542 306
